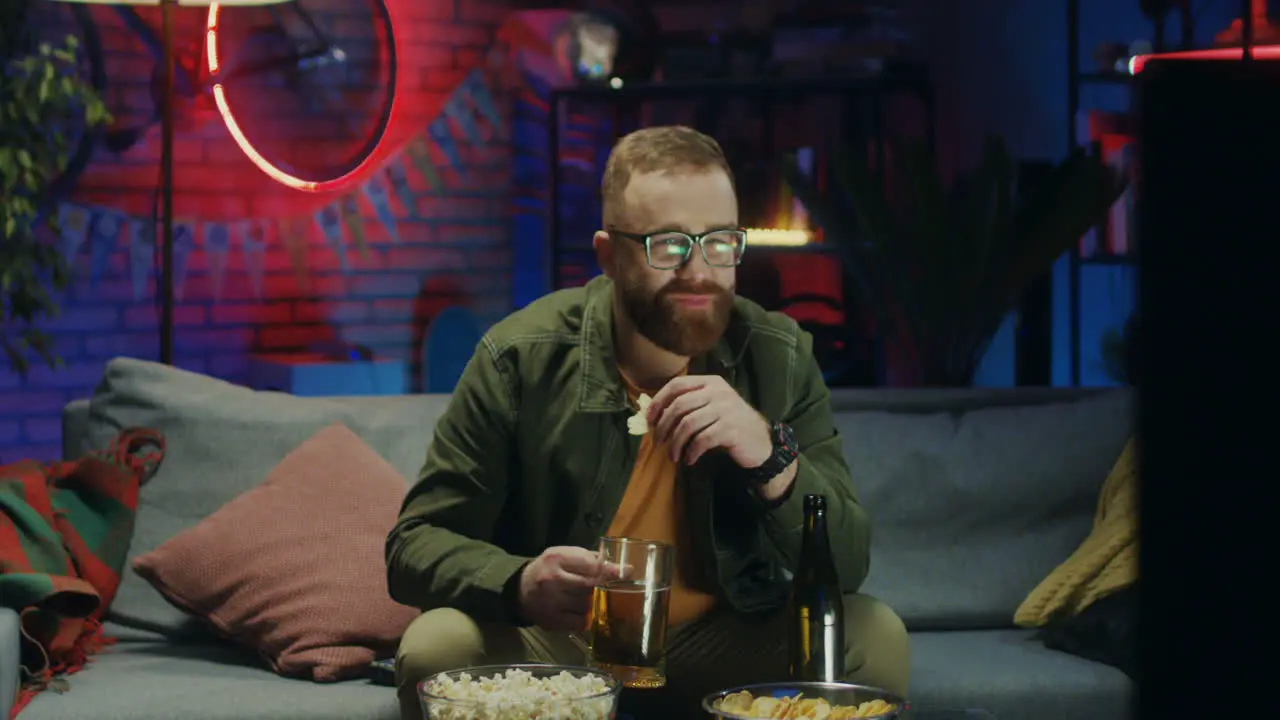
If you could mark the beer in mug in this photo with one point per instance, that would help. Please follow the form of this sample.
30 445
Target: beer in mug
627 631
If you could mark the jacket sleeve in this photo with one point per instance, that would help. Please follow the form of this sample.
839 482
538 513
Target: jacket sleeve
822 470
440 552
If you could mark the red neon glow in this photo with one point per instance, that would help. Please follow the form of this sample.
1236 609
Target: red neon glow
233 127
1264 52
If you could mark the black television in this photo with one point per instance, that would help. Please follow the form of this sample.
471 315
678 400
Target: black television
1208 386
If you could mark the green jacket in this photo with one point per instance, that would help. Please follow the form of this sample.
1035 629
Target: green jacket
533 452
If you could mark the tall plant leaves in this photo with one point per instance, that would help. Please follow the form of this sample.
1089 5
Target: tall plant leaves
943 265
834 217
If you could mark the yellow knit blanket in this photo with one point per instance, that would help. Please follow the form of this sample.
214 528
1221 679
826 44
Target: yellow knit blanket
1106 561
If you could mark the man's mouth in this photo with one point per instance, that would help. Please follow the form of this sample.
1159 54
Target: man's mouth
692 299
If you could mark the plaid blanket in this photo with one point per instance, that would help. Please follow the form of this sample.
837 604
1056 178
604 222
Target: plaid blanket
64 535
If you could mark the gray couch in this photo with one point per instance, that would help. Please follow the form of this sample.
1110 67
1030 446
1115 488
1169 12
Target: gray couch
976 496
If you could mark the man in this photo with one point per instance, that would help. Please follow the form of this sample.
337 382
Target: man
532 462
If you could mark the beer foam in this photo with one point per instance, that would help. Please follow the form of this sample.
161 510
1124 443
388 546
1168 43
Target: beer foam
637 424
519 695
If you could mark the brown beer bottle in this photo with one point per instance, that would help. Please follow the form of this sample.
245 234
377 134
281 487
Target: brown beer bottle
816 621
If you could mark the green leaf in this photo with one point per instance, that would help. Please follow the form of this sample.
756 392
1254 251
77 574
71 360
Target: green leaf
38 91
843 231
954 261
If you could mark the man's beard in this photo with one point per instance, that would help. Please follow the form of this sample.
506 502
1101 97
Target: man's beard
683 331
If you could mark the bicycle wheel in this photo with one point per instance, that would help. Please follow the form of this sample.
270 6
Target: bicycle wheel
52 23
306 89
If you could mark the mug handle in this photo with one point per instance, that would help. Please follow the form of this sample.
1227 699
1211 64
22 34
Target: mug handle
581 641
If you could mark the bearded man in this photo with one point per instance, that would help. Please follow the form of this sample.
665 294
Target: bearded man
532 462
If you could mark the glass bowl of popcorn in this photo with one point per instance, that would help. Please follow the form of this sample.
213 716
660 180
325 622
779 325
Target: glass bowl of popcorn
520 692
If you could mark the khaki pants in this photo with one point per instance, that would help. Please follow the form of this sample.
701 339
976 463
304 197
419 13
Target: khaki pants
718 651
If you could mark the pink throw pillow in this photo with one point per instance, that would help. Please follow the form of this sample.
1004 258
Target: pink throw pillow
294 568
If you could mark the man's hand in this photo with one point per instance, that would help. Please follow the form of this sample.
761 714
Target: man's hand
697 413
555 589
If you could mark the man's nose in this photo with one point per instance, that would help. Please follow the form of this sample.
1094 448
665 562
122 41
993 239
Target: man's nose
696 268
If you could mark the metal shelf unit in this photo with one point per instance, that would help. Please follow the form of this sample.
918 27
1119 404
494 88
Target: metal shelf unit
1075 79
862 99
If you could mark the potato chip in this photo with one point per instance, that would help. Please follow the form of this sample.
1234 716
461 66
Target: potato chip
765 707
637 424
741 704
813 708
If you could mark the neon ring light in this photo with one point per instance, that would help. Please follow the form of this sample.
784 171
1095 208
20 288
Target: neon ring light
265 165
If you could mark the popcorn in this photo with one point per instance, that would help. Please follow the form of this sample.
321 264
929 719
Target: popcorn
519 695
637 424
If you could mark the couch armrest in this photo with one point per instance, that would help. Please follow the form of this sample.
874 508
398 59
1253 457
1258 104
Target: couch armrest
75 428
9 660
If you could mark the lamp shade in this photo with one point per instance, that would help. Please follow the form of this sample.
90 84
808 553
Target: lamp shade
182 3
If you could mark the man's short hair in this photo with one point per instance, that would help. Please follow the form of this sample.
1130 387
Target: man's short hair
660 149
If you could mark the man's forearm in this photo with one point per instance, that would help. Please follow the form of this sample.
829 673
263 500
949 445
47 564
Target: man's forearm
847 523
821 470
440 553
778 488
429 567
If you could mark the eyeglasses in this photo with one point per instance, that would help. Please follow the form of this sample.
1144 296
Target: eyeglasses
669 249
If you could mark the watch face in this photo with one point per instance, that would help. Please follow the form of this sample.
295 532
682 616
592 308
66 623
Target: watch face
785 437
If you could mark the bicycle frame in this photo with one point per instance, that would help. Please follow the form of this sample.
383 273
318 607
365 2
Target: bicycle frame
188 86
192 83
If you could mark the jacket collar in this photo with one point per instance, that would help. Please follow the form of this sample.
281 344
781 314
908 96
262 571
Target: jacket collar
602 389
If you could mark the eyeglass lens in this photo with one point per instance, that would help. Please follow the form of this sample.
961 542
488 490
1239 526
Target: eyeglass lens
671 250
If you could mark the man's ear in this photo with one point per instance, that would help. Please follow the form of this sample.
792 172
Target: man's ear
603 245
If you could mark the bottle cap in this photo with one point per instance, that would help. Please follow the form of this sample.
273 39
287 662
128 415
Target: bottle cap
815 502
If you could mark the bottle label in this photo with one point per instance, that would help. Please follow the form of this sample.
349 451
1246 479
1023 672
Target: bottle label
819 620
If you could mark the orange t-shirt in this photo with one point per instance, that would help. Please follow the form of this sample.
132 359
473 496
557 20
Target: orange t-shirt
652 508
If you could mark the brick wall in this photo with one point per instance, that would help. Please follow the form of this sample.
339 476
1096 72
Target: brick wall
457 253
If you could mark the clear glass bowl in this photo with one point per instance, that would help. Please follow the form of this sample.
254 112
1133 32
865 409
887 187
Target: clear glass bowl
493 703
718 704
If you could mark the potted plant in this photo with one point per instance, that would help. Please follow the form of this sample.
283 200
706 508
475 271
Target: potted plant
1117 352
941 268
41 98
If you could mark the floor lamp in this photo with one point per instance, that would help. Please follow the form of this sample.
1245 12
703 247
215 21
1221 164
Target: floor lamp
166 149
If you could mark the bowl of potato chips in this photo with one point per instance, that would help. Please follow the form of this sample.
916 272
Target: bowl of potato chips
807 700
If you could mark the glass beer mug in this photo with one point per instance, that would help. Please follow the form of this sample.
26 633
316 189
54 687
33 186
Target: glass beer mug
627 626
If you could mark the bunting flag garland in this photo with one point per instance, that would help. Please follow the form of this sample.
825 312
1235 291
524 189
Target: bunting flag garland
253 243
439 131
142 253
399 182
391 195
73 224
463 118
376 192
184 242
104 234
330 225
293 236
355 224
477 90
420 155
217 244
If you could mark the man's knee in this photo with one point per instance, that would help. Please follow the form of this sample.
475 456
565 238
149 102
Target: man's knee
438 640
877 644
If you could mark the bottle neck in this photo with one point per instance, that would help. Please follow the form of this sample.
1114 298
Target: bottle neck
815 539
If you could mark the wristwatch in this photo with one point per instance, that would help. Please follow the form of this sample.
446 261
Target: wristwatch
785 452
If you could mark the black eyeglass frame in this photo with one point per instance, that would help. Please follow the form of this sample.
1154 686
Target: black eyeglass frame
697 239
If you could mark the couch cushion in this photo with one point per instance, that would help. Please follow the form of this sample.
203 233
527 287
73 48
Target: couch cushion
221 440
1006 672
1013 676
972 506
164 681
294 567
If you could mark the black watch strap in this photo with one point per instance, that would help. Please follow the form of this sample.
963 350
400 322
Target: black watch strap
785 451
